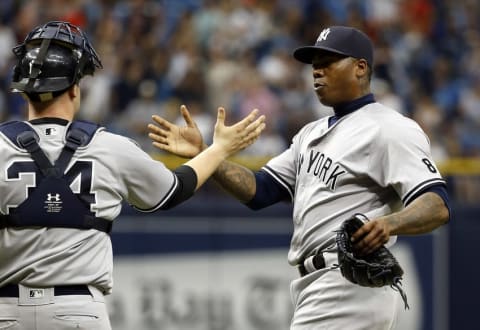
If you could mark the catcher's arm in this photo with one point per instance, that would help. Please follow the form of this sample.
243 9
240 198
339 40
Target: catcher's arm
424 214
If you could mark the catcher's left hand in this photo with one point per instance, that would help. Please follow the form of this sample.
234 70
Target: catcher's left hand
376 269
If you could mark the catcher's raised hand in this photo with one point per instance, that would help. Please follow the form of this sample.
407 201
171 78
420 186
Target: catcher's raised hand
227 140
232 139
184 141
371 236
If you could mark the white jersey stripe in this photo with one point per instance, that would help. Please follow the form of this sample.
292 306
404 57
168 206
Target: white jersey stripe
420 187
162 202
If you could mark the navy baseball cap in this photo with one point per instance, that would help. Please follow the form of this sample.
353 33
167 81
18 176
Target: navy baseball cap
342 40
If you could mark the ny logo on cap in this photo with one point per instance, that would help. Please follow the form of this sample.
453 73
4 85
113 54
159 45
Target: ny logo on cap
323 35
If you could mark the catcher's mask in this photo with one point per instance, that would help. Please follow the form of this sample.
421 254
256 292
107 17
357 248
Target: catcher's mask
51 59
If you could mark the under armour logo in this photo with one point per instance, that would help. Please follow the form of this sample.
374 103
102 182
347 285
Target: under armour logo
55 198
53 204
324 34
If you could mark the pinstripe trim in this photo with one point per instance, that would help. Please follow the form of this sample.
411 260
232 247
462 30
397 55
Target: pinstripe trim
165 199
279 179
420 187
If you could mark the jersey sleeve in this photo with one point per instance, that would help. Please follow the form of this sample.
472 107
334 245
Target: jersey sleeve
283 168
401 158
147 183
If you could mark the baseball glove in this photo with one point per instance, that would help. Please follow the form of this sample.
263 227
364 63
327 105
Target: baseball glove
376 269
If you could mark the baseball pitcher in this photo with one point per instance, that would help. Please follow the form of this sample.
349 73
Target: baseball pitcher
367 159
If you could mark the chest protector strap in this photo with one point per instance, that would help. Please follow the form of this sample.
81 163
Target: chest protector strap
52 203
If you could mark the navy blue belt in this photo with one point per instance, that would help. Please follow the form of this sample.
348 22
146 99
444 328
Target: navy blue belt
11 290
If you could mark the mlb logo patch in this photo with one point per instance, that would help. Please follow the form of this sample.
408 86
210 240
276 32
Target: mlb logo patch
36 293
50 131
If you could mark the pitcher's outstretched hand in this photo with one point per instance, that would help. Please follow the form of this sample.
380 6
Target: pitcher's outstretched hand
184 141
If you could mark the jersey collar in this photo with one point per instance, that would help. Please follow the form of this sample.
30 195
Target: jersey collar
49 120
349 107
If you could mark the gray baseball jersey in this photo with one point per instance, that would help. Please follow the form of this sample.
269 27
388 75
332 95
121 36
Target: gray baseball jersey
372 161
110 169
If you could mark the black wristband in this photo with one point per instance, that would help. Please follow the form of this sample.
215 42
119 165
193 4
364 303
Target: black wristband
187 182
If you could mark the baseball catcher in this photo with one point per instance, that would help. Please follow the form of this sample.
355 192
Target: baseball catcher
375 269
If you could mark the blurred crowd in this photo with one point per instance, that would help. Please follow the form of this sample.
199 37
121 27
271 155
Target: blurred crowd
158 54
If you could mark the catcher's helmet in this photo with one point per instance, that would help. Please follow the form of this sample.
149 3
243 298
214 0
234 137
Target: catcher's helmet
52 58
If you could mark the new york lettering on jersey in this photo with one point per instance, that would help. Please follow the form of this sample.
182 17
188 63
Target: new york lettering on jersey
324 168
